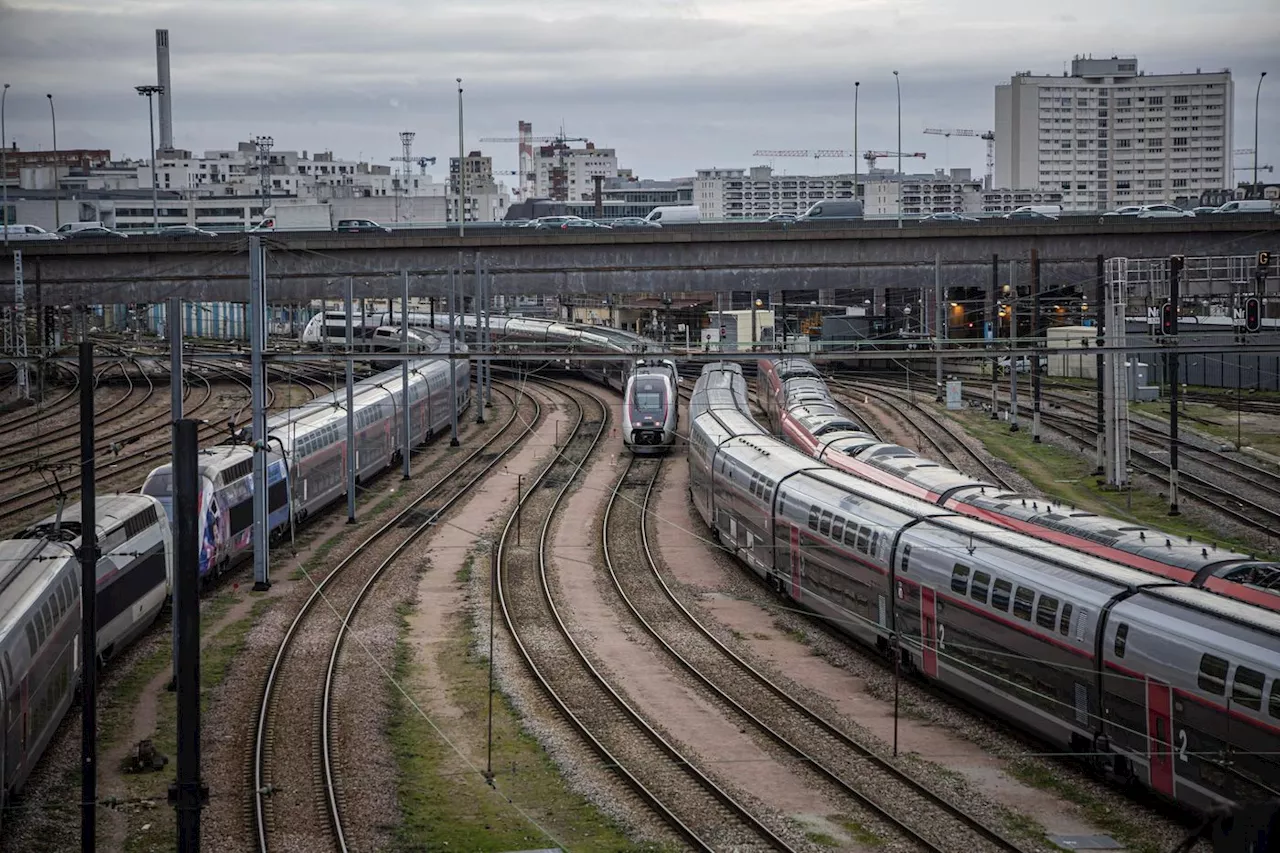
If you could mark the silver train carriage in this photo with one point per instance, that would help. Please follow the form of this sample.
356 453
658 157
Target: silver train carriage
651 407
1162 685
40 616
801 409
225 503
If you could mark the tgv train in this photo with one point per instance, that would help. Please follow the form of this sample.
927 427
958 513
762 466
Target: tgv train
1161 684
651 407
307 468
40 661
800 408
567 343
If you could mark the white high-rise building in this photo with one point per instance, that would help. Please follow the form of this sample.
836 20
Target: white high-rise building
565 173
1108 135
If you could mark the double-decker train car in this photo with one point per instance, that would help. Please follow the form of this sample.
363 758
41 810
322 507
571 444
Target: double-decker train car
651 407
1160 684
800 408
225 495
40 590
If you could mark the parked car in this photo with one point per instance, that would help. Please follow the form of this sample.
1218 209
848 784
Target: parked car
632 222
544 222
1201 211
93 233
676 214
1163 211
1032 215
27 232
832 209
1253 205
782 217
582 223
1127 210
947 216
186 231
358 225
68 228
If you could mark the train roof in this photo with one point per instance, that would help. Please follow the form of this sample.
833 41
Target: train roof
920 470
1220 607
25 567
789 368
111 511
721 367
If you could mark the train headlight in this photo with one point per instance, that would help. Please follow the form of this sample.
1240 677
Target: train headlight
637 425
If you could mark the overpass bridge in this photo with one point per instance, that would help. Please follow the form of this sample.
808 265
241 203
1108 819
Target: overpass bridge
311 265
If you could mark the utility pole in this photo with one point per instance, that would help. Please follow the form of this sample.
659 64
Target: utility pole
258 392
352 452
149 91
404 377
939 322
1036 326
476 289
1171 339
1099 319
462 173
406 157
1013 346
989 333
57 184
453 358
88 609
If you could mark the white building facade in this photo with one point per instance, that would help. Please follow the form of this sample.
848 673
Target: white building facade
565 173
1109 135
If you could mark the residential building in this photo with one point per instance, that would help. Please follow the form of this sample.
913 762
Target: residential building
563 173
756 193
956 192
1108 134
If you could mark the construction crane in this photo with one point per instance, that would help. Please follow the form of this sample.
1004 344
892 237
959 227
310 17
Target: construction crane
872 156
816 154
424 162
559 183
1250 168
989 137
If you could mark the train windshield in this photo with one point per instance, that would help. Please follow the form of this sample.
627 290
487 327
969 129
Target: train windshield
649 398
159 485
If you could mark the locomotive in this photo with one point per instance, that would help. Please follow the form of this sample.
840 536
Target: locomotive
650 407
1160 684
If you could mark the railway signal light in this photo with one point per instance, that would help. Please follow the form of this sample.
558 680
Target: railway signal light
1264 260
1168 319
1252 314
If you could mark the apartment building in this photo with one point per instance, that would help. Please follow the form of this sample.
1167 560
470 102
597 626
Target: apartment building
756 193
1108 134
563 173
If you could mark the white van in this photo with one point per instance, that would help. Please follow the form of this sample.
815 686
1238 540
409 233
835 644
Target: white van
71 227
675 215
26 232
1258 205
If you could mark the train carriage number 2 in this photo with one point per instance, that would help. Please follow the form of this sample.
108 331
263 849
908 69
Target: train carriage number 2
1182 744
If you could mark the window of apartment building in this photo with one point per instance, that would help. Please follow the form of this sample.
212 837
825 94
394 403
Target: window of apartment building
1122 185
1155 101
1123 102
1155 184
1066 185
1081 186
1179 142
1179 99
1082 143
1066 143
1179 182
1156 149
1124 143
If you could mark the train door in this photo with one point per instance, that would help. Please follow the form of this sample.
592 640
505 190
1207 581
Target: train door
795 562
1160 736
929 631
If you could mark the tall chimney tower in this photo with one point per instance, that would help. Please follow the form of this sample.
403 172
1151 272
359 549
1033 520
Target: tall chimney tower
166 96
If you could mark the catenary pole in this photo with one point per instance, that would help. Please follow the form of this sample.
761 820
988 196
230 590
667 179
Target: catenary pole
351 414
88 610
258 393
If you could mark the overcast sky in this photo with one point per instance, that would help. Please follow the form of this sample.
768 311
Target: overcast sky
673 85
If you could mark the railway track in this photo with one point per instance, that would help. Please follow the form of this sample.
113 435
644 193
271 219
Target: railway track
705 815
961 456
142 455
853 770
295 719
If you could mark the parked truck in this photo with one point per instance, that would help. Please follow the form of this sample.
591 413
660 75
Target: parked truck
306 216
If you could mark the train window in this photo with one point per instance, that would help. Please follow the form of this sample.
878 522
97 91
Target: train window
906 557
824 525
1122 639
1022 601
960 579
837 529
980 587
875 542
1273 703
851 535
1213 674
1064 621
864 536
1246 688
813 518
1047 612
33 642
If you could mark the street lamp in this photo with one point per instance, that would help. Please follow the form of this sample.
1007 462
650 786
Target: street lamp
1256 153
856 84
4 165
897 84
57 189
462 168
149 91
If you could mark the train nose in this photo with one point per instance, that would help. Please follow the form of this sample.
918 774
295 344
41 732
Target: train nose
646 436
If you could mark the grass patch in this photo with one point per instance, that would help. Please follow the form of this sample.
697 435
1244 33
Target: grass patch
794 633
1068 478
1020 825
1097 810
216 659
463 575
822 839
446 805
1217 423
858 832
